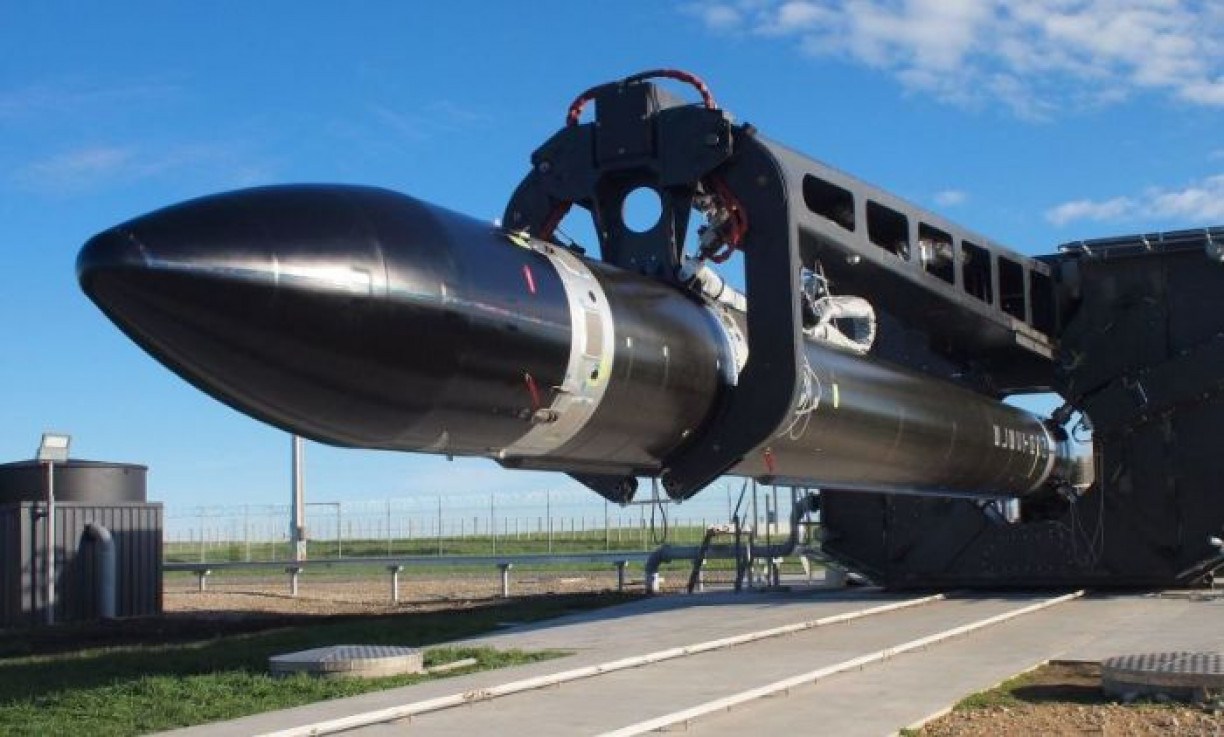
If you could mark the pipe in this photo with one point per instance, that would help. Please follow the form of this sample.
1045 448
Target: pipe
297 506
809 503
669 553
107 588
50 554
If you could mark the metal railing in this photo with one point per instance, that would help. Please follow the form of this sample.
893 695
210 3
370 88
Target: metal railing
395 565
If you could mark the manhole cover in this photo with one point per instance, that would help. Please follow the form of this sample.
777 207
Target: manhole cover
1177 674
358 661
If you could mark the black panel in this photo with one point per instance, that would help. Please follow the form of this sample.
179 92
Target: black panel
1142 356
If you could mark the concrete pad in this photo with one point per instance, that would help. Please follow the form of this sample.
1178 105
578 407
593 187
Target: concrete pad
1182 675
350 661
877 700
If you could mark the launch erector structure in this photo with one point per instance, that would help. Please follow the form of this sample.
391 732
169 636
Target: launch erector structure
867 355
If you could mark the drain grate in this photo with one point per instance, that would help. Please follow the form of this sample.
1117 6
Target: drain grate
350 661
1178 674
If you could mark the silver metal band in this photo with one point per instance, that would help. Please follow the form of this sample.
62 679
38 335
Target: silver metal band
592 348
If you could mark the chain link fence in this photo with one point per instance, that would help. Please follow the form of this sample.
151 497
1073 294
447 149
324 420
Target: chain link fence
463 524
341 535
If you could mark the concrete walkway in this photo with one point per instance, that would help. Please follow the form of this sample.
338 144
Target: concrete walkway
877 700
914 687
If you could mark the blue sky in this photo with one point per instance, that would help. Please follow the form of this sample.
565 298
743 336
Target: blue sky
1057 121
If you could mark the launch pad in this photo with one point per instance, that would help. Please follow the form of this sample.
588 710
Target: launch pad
1140 350
854 662
1129 331
869 355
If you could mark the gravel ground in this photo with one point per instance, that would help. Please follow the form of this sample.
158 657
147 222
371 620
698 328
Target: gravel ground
1065 719
330 595
1065 699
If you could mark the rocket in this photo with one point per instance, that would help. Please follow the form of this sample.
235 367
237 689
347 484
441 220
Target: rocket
362 317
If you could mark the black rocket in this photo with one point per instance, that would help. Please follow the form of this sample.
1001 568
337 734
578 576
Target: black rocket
361 317
869 351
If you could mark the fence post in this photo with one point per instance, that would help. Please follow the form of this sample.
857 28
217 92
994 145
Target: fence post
395 590
505 579
339 530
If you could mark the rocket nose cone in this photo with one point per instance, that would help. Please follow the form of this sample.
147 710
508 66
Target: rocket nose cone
106 255
260 297
347 314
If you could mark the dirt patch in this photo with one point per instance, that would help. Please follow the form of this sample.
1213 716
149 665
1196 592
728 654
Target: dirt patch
323 594
215 624
241 604
1066 699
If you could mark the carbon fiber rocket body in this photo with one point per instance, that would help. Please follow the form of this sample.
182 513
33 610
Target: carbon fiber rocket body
362 317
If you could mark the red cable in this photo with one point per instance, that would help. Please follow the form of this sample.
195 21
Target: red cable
553 220
707 97
739 219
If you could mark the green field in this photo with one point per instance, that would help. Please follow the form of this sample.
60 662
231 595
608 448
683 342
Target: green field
159 674
577 541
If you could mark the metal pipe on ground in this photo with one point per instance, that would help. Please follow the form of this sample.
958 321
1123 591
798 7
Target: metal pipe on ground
669 553
107 588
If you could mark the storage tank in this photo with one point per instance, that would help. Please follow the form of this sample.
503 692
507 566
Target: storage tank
108 542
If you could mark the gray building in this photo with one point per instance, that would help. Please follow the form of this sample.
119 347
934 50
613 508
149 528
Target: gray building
108 542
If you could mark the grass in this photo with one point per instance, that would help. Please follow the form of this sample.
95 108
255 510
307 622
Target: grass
125 687
1053 683
583 541
1002 695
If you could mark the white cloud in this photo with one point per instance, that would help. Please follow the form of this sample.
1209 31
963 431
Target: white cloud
1200 202
80 98
791 17
98 167
718 17
1034 58
950 198
1117 208
438 117
72 170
